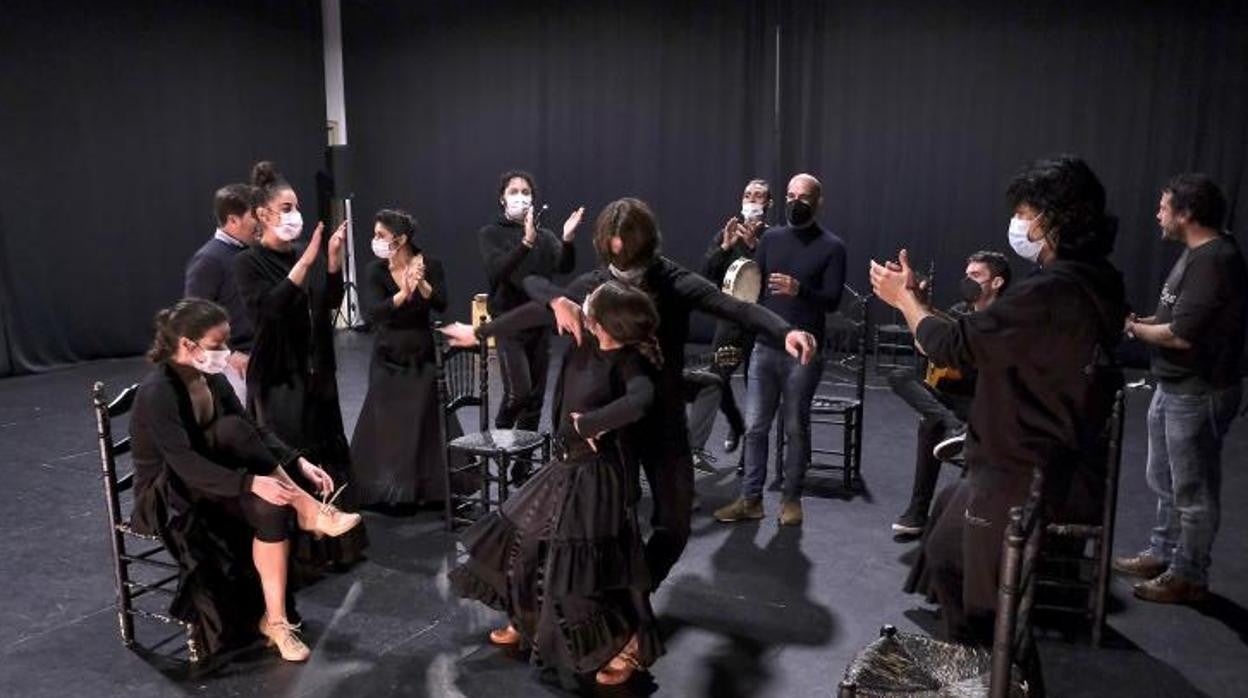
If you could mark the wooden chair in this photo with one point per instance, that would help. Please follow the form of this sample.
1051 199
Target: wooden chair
160 575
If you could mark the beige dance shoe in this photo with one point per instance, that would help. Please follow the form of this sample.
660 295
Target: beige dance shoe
286 637
332 521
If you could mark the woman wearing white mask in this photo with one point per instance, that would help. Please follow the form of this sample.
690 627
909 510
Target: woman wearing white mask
291 291
397 451
215 487
512 248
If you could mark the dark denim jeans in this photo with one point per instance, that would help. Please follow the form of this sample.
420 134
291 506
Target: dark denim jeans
1185 471
775 375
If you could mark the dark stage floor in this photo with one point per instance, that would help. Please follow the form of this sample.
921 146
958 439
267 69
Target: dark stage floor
750 611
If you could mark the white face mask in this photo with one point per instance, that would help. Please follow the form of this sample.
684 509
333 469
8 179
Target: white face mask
290 227
212 361
1025 248
751 211
631 276
382 249
516 205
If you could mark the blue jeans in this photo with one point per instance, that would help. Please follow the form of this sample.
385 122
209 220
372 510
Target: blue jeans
773 373
1185 471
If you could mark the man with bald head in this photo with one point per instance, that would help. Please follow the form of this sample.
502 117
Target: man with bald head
804 266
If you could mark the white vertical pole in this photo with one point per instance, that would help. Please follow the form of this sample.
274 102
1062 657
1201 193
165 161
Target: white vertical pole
336 116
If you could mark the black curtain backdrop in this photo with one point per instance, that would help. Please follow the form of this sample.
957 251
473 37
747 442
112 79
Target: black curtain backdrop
914 114
668 101
120 120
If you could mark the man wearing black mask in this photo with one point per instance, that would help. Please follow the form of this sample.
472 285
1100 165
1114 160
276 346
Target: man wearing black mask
804 267
943 397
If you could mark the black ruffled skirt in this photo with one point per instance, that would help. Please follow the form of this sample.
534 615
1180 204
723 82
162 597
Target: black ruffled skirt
563 559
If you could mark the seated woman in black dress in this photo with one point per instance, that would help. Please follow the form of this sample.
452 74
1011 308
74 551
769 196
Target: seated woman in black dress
563 557
209 481
397 452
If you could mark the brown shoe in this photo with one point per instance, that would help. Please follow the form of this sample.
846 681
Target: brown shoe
1170 588
740 510
1143 565
505 637
791 513
622 666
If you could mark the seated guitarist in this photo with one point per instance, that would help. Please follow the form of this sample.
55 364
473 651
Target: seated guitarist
943 397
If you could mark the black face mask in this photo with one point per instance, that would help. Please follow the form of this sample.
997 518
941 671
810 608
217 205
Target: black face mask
970 289
799 213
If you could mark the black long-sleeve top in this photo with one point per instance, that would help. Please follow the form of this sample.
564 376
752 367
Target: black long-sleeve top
294 327
677 292
816 258
715 265
166 434
403 334
1044 354
508 261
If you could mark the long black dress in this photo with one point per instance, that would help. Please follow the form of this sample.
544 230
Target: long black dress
292 387
563 555
397 451
193 490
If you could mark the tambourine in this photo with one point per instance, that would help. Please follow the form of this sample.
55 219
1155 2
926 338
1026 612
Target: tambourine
744 280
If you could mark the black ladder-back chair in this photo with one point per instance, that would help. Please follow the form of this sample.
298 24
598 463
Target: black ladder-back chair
500 458
1085 573
153 558
845 354
894 343
903 664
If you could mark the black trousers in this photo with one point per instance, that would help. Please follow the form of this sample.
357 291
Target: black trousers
235 443
669 470
938 413
523 360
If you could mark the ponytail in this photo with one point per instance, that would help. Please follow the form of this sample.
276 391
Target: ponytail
191 318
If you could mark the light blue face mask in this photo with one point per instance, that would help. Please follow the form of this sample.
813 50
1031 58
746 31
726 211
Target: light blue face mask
1024 247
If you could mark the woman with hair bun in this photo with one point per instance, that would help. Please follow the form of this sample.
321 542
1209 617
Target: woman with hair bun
563 555
397 452
216 488
291 291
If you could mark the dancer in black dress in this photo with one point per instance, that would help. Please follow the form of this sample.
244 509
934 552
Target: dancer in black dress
563 556
215 487
292 387
397 452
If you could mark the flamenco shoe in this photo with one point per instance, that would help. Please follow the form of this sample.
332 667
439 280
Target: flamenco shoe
332 521
621 667
285 636
505 637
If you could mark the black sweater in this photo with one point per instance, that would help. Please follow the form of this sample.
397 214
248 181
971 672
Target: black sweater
816 258
1043 352
508 261
403 334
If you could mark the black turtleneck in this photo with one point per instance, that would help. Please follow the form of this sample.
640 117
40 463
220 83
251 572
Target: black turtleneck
508 261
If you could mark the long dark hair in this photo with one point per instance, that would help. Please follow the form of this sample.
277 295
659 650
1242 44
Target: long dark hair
190 318
634 223
629 316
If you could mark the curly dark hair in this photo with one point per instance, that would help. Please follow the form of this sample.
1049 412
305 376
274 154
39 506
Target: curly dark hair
1196 195
505 179
1071 202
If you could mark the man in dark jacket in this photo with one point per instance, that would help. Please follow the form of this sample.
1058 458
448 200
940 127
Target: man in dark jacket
210 273
512 248
1045 388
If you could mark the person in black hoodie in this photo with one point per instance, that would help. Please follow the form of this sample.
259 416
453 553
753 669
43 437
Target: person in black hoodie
513 247
1044 355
